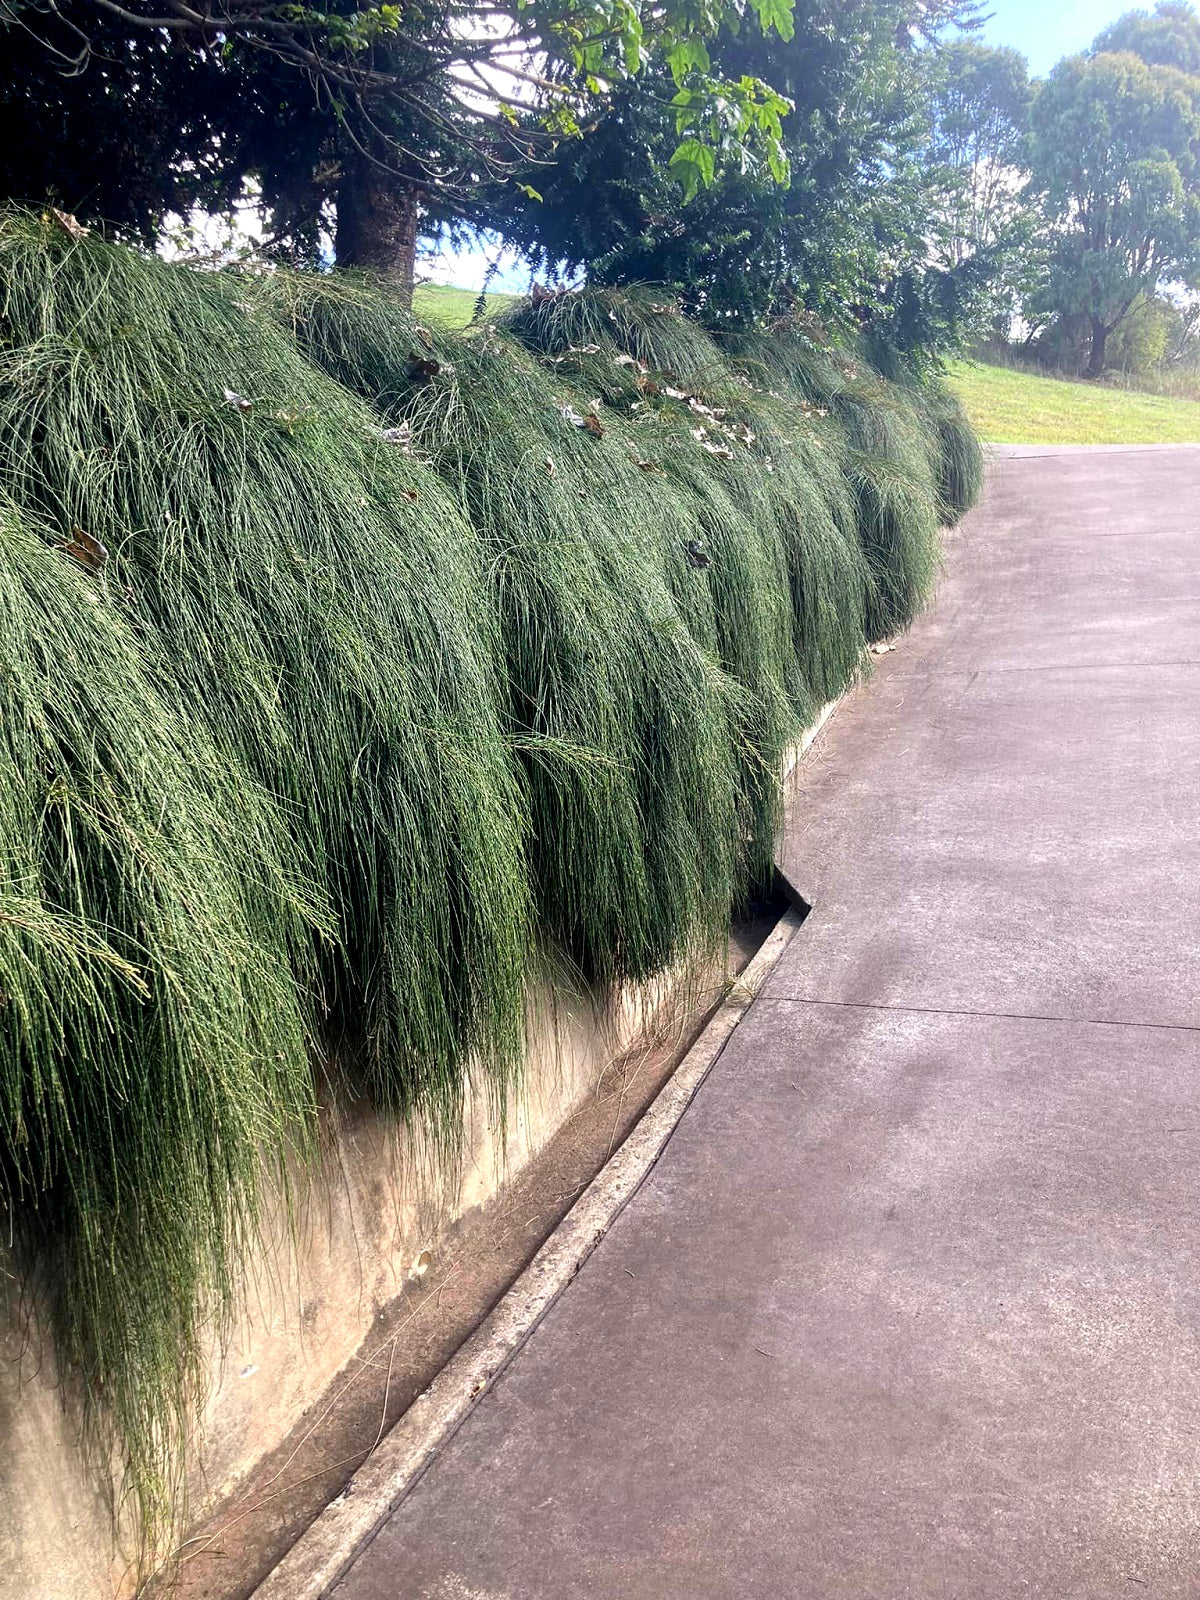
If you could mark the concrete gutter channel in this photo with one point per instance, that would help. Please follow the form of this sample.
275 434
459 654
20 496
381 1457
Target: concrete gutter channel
335 1540
331 1545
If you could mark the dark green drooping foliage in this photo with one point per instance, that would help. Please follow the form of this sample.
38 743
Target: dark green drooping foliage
153 962
350 671
312 591
311 599
960 457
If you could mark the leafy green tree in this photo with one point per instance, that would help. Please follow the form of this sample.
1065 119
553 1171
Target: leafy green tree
979 110
142 132
374 111
1113 151
1140 344
853 218
1167 37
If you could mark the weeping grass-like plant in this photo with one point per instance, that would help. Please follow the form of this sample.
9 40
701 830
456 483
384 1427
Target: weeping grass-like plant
891 459
315 593
622 720
310 597
153 1042
774 524
960 454
348 667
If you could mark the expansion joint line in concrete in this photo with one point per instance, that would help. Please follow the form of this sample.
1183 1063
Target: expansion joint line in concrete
999 1016
1052 667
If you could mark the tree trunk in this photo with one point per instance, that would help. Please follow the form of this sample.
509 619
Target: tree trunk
1095 367
377 224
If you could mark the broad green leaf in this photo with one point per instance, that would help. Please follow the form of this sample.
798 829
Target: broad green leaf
693 165
777 16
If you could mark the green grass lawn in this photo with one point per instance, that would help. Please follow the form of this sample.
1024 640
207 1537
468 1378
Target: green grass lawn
1011 407
453 308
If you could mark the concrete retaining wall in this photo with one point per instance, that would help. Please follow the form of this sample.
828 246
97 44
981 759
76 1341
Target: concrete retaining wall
314 1290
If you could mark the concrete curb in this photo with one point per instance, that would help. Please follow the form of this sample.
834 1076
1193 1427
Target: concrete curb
323 1555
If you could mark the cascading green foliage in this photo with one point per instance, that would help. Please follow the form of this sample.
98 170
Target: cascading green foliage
960 455
153 1040
893 460
315 593
410 660
626 723
313 599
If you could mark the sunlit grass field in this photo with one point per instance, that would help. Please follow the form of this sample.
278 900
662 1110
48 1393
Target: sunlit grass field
452 308
1013 407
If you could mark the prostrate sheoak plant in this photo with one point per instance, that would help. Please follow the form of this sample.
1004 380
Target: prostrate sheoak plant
358 677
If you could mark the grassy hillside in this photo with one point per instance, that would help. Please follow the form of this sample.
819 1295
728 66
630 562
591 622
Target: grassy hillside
1012 407
453 308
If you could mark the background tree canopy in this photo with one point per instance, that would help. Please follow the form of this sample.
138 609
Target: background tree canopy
1167 37
366 112
1113 149
865 161
857 210
979 109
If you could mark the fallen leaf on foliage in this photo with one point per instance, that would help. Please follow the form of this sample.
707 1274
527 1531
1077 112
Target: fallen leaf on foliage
87 552
591 422
574 350
721 451
69 224
401 436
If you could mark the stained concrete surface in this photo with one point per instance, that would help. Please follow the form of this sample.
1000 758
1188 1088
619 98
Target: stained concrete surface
911 1304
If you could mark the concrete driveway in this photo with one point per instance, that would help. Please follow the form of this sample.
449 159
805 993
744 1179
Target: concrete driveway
911 1304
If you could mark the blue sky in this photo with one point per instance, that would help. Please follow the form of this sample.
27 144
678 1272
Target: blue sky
1047 30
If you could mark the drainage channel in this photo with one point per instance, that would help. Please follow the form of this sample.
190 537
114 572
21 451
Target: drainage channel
310 1505
318 1561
